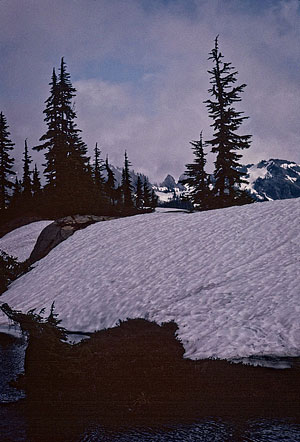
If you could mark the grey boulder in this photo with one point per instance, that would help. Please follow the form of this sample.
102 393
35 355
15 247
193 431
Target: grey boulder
59 231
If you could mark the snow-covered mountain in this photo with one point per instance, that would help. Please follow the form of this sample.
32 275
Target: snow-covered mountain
268 180
168 189
229 278
273 180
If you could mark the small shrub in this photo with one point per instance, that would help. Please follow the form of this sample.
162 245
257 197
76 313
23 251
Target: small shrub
10 269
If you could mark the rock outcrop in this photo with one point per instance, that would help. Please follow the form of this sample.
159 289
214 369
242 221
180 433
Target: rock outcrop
59 231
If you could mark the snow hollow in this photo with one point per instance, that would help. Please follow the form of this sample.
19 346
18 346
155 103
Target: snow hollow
229 278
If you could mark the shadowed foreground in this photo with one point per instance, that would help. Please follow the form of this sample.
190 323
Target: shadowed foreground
136 372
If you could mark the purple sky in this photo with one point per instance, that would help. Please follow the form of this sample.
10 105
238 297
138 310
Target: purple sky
141 73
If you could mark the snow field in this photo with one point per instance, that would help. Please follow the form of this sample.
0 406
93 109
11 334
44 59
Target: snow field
229 278
20 242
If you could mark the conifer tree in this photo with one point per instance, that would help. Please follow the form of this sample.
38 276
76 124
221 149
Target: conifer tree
197 179
147 194
226 121
153 200
119 196
51 139
139 193
26 182
36 182
6 162
73 173
17 194
97 169
67 166
110 183
127 187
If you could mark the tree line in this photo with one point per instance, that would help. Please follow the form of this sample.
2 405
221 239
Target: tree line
75 185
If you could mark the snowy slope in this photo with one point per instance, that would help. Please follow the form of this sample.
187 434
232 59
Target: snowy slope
20 242
230 278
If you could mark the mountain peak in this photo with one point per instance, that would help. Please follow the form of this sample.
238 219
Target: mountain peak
273 179
169 182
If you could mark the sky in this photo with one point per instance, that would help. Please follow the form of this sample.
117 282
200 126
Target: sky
140 71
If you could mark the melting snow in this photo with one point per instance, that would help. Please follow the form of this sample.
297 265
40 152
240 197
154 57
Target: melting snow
229 278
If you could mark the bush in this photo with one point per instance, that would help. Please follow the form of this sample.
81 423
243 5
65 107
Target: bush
10 269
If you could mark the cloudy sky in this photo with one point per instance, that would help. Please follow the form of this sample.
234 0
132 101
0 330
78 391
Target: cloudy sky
140 70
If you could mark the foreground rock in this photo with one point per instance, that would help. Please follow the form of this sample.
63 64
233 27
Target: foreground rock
59 231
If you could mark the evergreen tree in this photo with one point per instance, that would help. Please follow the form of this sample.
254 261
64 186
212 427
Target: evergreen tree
97 169
73 168
153 200
127 187
36 182
6 162
110 183
139 193
147 194
119 197
16 198
197 179
226 122
51 139
26 182
67 166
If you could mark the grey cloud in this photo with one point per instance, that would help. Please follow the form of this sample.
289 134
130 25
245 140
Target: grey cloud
156 116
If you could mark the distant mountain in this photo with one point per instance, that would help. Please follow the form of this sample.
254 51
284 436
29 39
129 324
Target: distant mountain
273 180
268 180
169 182
118 176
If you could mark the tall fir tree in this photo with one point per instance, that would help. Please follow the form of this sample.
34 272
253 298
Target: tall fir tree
67 165
97 169
16 199
139 198
6 163
36 181
153 200
119 197
51 139
226 122
127 187
146 194
197 179
26 182
110 183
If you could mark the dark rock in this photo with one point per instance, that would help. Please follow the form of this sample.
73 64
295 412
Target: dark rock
59 231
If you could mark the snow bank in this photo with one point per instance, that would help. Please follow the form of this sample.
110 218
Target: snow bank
20 242
229 278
